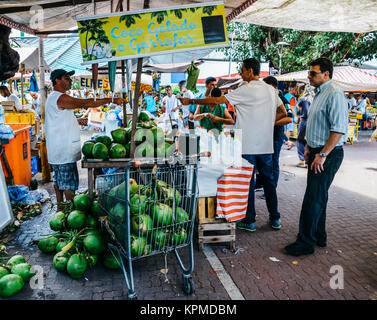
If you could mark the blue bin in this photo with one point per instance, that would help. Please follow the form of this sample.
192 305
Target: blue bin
34 165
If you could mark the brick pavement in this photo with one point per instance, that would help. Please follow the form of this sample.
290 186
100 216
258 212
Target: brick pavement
352 226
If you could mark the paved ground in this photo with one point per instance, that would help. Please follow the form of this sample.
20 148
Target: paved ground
261 270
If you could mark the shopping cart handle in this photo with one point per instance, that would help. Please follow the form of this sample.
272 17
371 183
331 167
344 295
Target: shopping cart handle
206 154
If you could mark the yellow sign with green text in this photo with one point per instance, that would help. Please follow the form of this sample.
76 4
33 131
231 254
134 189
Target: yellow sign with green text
143 33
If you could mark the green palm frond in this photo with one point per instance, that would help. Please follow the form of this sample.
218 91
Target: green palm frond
178 12
129 19
208 10
160 16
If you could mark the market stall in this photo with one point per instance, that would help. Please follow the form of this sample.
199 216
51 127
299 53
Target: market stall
158 164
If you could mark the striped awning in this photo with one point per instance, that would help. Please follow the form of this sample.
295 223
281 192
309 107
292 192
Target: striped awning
59 52
348 78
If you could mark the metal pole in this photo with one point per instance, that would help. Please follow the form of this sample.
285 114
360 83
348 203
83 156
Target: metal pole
280 54
136 104
124 94
46 172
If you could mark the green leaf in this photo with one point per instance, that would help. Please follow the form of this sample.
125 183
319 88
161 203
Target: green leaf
208 10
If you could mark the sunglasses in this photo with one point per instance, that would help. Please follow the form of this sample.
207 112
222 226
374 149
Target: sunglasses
313 73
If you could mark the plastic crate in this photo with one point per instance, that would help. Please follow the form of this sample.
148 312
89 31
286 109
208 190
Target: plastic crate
18 154
20 117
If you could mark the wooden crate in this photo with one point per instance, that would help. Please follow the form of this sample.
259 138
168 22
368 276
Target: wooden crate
210 229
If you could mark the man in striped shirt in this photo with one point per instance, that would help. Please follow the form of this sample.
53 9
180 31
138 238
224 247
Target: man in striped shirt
325 134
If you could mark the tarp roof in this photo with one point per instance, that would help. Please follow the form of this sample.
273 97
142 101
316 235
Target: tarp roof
314 15
59 14
29 56
59 52
345 77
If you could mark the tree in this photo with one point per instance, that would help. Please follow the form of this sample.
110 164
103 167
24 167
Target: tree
260 42
94 27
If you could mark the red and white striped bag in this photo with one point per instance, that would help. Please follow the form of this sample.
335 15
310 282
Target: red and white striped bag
232 193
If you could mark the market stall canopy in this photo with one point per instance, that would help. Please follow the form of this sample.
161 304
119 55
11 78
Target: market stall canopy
145 78
314 15
60 15
348 78
29 56
227 83
59 52
171 67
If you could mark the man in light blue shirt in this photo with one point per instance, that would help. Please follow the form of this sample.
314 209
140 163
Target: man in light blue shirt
326 132
151 103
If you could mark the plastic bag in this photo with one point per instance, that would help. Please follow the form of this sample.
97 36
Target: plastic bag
193 75
6 132
34 196
17 193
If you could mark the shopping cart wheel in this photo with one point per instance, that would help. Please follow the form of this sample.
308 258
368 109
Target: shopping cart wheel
132 296
188 284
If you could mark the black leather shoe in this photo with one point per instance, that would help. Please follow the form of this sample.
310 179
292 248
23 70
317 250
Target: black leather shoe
297 249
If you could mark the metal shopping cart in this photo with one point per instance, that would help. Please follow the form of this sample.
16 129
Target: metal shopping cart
150 209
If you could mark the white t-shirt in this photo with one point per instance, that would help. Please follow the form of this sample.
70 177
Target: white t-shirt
17 103
171 103
256 104
62 132
185 109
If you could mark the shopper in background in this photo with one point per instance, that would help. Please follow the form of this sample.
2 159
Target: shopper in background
185 109
290 127
278 132
4 91
36 103
209 84
304 104
326 132
351 101
150 102
171 104
213 116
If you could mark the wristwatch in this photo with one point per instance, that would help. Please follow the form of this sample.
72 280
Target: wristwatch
322 154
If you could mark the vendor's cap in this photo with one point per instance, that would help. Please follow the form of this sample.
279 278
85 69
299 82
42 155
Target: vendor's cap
59 73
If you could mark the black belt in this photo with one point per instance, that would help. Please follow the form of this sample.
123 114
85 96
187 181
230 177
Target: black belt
320 148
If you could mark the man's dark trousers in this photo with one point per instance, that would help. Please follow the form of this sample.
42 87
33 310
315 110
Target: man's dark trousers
264 164
312 228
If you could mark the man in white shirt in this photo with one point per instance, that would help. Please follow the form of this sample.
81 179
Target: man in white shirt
351 101
36 102
171 104
4 91
186 94
63 133
258 106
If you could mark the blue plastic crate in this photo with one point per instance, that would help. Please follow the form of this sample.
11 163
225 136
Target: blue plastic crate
34 165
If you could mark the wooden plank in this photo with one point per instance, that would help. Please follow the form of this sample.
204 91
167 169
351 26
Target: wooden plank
211 207
216 226
208 220
201 209
216 239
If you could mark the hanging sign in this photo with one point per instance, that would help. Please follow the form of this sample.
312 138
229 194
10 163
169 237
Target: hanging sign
120 36
87 82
